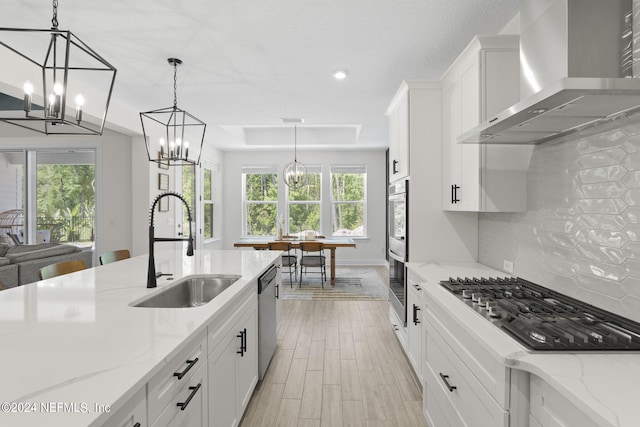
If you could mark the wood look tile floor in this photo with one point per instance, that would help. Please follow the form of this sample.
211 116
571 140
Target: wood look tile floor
337 363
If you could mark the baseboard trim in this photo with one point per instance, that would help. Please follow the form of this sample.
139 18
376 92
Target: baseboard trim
363 262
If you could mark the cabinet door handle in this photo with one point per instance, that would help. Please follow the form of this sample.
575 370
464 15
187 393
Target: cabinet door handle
449 386
244 339
137 425
454 193
415 314
395 164
194 390
241 336
277 291
183 373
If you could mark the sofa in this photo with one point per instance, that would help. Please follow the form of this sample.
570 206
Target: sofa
21 264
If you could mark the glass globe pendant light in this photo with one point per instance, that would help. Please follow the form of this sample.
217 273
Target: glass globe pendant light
295 173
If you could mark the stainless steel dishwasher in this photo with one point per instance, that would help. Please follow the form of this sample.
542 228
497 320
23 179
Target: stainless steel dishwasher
267 294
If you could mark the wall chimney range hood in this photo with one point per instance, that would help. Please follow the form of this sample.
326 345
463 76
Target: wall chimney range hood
576 72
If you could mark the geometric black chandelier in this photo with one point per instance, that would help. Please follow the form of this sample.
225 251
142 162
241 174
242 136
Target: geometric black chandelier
66 86
173 136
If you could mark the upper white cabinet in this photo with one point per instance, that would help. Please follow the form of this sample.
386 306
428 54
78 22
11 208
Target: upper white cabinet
407 116
483 81
398 113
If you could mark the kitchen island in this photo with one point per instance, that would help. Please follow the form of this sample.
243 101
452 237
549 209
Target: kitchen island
74 352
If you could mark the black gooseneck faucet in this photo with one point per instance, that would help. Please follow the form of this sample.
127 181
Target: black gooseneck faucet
151 273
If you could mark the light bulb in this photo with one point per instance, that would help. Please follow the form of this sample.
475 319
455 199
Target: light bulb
178 142
28 87
57 88
52 98
79 100
162 142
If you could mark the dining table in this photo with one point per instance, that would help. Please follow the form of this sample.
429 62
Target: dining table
330 243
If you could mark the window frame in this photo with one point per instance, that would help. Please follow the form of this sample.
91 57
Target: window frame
353 169
264 170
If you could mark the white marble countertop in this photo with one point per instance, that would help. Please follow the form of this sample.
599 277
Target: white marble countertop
74 339
605 386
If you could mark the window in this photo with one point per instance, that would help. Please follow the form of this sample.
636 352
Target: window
207 201
188 192
260 200
48 195
303 204
348 200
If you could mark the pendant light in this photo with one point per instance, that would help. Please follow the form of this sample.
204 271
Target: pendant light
54 68
295 173
173 136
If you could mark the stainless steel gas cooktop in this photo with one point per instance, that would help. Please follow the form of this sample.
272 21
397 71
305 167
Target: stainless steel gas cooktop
543 319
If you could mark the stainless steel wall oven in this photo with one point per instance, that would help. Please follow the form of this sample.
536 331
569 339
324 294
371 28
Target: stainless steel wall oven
398 247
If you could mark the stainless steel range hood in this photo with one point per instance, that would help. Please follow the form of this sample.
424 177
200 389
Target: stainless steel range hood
575 72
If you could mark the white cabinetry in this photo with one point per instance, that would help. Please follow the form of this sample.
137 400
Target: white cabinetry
189 406
132 414
233 364
465 382
415 322
179 380
549 408
483 81
399 122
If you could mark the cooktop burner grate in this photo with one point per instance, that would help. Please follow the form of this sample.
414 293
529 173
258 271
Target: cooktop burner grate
543 319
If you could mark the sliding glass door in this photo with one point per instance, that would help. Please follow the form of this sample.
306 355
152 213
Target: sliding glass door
54 190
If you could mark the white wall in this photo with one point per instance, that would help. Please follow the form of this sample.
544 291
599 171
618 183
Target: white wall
368 251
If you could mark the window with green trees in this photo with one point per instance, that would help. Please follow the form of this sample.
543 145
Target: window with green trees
65 196
348 200
207 200
303 204
260 200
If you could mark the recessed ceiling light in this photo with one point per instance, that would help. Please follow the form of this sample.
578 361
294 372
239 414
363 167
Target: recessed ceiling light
340 74
292 120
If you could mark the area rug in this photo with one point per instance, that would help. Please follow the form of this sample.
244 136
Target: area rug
351 283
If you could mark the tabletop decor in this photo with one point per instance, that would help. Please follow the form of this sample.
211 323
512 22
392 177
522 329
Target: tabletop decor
54 68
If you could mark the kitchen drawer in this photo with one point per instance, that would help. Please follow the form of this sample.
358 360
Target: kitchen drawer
439 411
164 386
551 409
218 329
450 378
476 356
132 414
189 406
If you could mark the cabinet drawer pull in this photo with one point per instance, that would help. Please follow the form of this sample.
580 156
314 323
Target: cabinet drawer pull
184 404
449 386
183 373
415 314
137 425
395 169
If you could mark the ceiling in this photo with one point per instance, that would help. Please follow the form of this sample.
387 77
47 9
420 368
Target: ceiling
249 63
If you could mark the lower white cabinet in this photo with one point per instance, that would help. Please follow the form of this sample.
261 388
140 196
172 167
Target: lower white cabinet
189 406
132 414
233 365
415 322
549 408
454 393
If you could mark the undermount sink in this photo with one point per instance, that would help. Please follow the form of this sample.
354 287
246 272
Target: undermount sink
192 291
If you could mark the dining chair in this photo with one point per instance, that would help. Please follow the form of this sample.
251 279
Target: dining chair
288 260
60 268
313 256
113 256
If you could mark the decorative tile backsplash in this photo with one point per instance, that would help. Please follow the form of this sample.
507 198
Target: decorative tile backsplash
581 233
